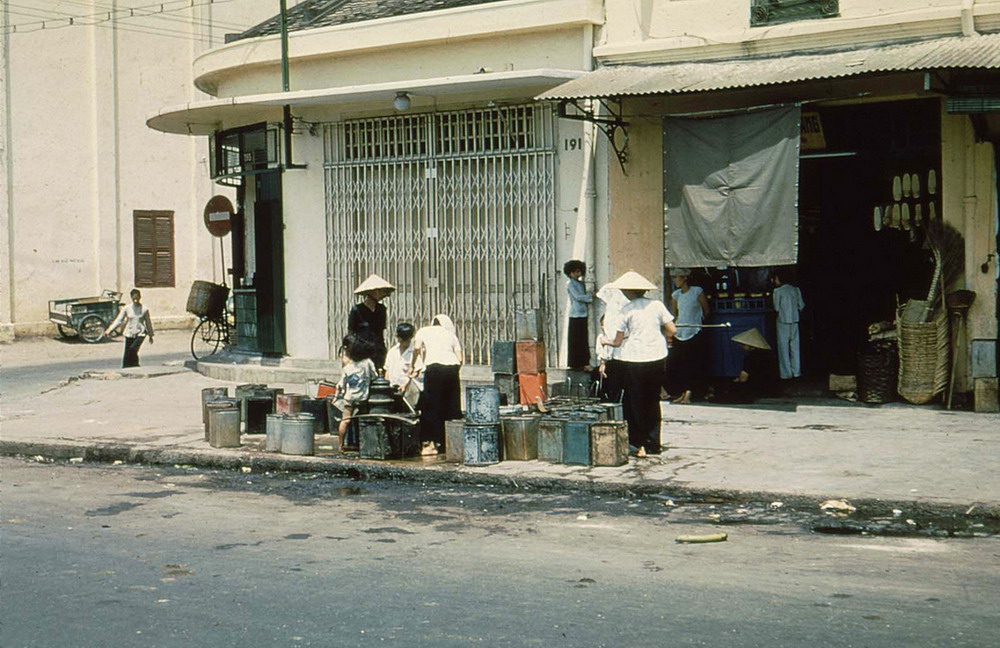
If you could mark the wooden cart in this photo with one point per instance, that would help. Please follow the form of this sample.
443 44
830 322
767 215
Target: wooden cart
85 316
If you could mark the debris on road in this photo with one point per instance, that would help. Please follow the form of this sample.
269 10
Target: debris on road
701 539
837 507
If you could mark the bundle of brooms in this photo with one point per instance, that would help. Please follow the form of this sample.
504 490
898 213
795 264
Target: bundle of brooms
922 325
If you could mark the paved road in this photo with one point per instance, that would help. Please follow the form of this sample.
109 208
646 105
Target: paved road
33 365
124 556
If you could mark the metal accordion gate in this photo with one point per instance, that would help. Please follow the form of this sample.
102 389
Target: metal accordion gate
456 209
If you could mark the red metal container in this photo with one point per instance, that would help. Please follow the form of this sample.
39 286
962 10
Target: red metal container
530 356
532 387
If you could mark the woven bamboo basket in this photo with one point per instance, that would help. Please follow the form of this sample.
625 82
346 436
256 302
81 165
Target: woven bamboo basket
878 372
923 357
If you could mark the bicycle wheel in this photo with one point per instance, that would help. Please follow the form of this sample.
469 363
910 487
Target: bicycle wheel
205 339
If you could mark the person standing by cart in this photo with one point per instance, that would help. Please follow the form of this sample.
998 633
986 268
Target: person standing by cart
367 318
643 330
138 325
689 355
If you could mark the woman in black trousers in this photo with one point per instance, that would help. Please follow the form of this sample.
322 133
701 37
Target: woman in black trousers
643 329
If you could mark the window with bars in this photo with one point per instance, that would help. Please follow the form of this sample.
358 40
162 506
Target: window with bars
153 233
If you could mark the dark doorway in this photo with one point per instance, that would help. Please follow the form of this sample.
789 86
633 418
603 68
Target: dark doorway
269 278
853 272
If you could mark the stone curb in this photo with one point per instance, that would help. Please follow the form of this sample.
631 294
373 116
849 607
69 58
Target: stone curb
374 471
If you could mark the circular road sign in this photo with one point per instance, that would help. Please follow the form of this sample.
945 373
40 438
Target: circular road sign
219 214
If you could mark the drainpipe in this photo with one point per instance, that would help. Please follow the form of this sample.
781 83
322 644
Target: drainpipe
585 239
968 18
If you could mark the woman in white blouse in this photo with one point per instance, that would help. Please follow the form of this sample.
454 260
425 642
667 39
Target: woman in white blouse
643 328
137 326
437 355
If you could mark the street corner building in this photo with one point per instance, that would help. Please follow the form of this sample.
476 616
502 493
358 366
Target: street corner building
465 149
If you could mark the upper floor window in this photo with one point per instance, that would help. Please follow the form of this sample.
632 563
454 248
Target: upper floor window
153 233
772 12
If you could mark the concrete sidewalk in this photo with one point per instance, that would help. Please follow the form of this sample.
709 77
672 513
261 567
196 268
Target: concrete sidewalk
781 450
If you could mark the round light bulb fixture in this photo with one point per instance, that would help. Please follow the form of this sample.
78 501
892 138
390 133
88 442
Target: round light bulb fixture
402 101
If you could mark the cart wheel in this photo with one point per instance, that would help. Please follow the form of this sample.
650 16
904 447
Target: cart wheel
91 328
205 339
66 332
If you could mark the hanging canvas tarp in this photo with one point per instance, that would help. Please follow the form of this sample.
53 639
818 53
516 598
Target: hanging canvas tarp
731 189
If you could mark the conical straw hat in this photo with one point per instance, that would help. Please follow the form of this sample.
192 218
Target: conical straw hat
633 281
752 338
373 282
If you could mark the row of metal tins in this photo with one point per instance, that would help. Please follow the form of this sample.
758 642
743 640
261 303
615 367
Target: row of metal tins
256 401
577 431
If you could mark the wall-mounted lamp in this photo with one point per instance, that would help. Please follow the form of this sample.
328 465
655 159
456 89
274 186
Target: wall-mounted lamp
402 101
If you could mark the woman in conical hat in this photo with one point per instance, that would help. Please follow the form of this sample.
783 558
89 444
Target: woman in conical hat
643 328
368 317
758 378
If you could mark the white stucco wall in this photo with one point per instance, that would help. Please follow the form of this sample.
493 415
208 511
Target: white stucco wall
671 30
78 158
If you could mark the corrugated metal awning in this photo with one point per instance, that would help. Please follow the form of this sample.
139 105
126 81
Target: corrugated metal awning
959 52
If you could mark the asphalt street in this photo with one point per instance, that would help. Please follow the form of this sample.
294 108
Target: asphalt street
32 366
98 555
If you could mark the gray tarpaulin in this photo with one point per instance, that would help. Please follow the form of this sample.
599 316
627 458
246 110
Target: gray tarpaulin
731 188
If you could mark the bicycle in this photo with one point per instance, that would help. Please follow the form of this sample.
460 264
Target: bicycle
214 330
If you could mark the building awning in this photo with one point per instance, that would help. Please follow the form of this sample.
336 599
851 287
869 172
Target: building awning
205 117
958 52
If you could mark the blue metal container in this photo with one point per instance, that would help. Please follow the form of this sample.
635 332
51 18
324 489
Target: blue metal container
482 404
550 439
481 444
576 442
502 358
507 385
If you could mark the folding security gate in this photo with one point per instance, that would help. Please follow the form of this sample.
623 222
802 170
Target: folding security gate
456 209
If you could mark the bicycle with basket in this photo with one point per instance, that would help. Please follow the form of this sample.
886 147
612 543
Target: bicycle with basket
213 333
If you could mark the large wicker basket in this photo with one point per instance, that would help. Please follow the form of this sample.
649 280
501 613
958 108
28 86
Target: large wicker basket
207 299
923 357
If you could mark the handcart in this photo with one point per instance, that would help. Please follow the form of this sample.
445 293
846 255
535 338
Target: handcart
87 317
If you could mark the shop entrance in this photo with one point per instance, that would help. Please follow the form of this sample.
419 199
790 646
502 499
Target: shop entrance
866 188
